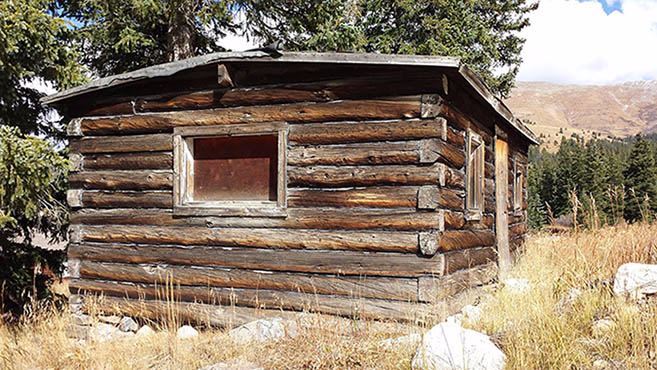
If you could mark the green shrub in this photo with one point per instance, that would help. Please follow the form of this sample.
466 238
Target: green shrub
32 189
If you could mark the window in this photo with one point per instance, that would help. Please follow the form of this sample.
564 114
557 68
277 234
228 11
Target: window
474 186
232 170
518 180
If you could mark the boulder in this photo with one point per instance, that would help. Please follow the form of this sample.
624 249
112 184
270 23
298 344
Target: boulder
102 332
114 320
264 330
602 327
145 331
186 332
448 346
471 314
636 280
128 324
237 364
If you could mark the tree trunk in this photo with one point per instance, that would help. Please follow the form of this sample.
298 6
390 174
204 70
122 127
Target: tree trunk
181 29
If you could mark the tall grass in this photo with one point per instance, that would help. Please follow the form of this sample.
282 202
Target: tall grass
549 327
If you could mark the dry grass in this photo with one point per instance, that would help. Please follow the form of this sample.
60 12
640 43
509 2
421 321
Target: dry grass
536 330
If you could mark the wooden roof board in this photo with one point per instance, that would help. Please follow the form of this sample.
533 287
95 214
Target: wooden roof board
169 69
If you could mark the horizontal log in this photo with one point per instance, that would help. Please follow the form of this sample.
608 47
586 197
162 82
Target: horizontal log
356 132
128 161
438 150
380 197
408 152
250 237
319 91
462 239
390 108
462 121
468 258
434 289
404 289
122 180
113 199
266 299
518 229
121 144
342 176
310 261
457 220
454 178
297 218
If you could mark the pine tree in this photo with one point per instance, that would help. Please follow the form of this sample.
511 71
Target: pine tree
640 181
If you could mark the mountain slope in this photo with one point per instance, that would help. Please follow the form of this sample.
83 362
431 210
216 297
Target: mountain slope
611 110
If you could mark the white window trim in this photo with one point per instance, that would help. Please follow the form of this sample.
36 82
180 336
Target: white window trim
183 171
475 213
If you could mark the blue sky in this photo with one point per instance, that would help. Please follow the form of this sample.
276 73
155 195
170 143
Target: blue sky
591 42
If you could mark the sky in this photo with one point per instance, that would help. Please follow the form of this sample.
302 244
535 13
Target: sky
591 42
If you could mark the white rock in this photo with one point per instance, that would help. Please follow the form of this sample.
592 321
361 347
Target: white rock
102 332
517 286
405 341
471 314
264 330
127 324
114 320
635 280
448 346
601 364
456 318
145 331
602 327
233 365
186 332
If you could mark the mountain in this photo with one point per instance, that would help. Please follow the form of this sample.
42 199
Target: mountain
610 110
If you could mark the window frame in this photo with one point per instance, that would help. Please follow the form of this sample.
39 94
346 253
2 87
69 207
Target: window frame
518 179
475 198
183 203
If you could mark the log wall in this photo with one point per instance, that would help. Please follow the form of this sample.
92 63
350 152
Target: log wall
375 223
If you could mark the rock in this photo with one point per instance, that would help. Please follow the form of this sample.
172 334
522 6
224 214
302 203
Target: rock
114 320
517 286
601 364
145 331
405 341
456 318
128 324
186 332
103 332
635 280
471 314
82 319
237 364
264 330
448 346
602 327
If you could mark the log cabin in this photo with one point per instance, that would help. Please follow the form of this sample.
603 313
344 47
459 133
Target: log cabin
240 184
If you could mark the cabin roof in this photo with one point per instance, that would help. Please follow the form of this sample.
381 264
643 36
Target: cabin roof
168 69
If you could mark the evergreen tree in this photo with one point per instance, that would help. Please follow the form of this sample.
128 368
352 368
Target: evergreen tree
595 184
640 181
570 172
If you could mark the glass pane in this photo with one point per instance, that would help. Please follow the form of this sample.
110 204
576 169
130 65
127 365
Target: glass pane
236 168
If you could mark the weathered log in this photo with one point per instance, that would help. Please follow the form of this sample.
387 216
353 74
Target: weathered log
462 121
408 152
454 178
468 258
434 289
253 237
122 180
438 150
128 161
121 144
304 218
392 108
343 176
311 261
380 197
461 239
320 91
368 287
356 132
517 229
266 299
138 199
456 220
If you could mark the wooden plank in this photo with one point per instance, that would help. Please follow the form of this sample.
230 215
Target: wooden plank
434 289
310 261
128 161
462 239
346 176
252 237
122 180
468 258
379 197
501 193
404 289
121 144
391 108
261 298
303 218
358 132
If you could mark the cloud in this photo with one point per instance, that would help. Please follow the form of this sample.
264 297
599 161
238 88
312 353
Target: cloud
577 42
